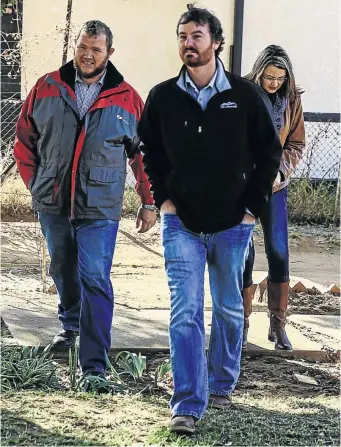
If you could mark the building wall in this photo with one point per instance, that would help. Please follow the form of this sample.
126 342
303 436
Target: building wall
309 30
144 36
43 24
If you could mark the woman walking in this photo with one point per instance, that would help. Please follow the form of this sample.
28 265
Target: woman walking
273 72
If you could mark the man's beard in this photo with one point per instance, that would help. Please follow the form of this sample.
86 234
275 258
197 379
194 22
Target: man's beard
201 60
91 74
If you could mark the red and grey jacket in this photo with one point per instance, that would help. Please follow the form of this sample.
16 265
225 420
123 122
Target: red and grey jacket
77 166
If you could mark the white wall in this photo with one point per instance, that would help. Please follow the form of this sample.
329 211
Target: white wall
144 36
309 30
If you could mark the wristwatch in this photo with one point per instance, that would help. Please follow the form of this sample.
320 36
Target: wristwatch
148 207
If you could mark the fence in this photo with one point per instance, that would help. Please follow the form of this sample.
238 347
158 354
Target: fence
321 159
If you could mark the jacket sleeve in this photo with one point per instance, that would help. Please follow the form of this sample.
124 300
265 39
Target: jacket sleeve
142 186
295 142
25 143
267 152
157 165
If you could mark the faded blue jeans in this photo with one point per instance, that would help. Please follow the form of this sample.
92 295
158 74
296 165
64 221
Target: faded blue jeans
81 258
186 254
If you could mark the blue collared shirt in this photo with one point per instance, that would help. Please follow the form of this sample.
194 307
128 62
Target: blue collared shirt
86 94
217 84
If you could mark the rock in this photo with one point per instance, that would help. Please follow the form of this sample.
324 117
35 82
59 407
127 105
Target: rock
305 380
333 289
261 286
297 286
264 295
52 290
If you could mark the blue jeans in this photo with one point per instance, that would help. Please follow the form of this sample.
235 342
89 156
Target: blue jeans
274 220
186 254
81 258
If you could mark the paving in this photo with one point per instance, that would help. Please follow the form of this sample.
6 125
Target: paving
31 325
141 298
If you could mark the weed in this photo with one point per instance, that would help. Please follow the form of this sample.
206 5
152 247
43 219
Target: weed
131 363
27 368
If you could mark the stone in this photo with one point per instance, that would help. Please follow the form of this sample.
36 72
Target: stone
297 286
52 290
305 380
333 289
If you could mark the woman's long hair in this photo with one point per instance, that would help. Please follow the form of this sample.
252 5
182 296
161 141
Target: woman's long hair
277 56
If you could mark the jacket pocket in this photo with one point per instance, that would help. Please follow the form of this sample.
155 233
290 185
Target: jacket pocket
44 184
105 187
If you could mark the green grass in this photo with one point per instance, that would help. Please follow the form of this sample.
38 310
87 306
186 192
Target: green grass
270 408
33 418
131 202
308 203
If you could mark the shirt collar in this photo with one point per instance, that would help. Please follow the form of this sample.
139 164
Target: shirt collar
190 83
222 83
100 81
219 79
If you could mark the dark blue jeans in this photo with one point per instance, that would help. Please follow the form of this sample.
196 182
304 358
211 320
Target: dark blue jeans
81 258
186 254
274 220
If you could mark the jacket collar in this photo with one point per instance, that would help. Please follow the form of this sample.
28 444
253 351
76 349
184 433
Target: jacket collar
220 80
112 78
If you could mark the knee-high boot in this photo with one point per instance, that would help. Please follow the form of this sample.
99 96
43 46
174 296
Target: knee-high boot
278 304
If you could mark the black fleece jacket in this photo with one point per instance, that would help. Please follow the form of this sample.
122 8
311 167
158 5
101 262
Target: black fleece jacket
212 163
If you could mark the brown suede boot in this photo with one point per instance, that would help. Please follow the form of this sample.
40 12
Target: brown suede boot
278 304
247 295
184 425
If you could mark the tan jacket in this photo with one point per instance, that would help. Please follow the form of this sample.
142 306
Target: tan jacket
292 138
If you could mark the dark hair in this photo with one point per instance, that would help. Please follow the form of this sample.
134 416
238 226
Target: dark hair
277 56
202 16
96 28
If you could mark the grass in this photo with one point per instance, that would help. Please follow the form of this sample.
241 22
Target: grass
33 418
131 202
308 203
270 408
16 200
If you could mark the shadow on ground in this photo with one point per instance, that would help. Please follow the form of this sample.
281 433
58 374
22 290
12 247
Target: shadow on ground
249 424
19 431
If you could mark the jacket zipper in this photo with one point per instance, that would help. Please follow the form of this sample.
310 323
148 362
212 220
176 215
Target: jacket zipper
120 117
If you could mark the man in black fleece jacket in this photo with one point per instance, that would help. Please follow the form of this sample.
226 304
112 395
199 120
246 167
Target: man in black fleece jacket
211 154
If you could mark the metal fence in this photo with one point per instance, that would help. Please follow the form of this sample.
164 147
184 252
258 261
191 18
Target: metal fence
321 159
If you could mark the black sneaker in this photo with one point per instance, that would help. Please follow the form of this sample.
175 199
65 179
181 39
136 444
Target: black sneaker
96 382
64 340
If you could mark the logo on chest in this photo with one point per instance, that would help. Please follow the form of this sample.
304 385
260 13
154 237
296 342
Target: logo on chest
228 105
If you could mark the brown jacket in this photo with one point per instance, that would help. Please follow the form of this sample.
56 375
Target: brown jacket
292 138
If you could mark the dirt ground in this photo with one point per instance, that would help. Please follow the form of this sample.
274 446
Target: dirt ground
269 408
138 269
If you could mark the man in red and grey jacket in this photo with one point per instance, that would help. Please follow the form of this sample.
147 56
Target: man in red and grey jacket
75 131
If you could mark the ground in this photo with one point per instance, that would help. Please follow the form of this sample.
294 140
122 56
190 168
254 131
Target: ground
138 271
270 408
